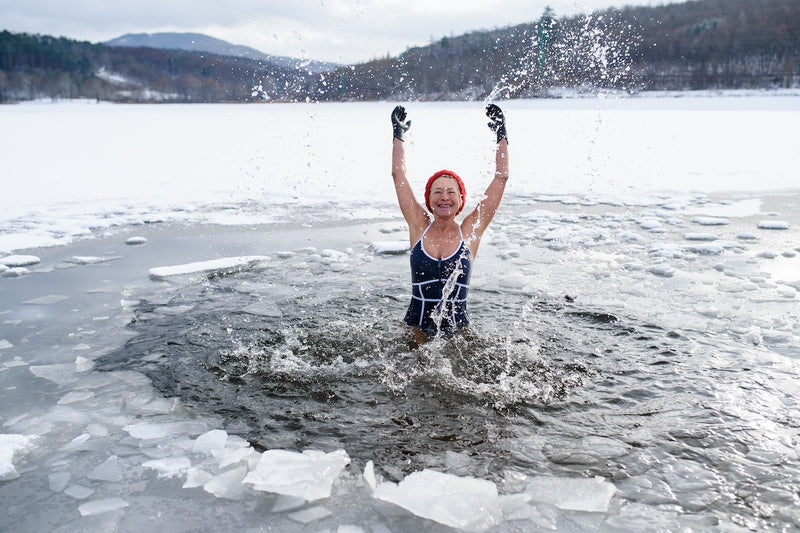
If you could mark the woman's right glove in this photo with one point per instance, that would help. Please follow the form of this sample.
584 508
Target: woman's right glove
399 127
498 121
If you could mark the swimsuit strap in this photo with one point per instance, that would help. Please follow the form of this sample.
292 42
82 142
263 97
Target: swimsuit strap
421 242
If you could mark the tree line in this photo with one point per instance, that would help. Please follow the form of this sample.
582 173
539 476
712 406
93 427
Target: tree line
35 67
698 44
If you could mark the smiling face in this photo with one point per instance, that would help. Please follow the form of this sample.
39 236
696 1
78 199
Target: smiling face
445 196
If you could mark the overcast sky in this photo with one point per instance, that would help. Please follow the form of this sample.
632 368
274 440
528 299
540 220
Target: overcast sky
343 31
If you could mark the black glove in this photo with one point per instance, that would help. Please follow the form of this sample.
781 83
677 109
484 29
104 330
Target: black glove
398 127
498 121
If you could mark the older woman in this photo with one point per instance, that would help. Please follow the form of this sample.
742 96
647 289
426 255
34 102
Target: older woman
442 249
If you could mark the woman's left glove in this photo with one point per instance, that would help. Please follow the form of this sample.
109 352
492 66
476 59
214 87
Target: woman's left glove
399 127
498 121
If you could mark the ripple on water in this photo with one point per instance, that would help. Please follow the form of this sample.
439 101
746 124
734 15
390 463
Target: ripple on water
338 370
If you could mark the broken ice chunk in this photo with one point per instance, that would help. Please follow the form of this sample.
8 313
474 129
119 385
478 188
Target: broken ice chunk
311 514
210 441
466 503
574 494
308 475
102 506
109 470
227 485
11 445
169 466
156 430
196 477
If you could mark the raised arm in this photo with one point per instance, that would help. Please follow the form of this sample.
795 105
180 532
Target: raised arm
413 212
478 220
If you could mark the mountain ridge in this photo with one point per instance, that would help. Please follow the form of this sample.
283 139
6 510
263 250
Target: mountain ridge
199 42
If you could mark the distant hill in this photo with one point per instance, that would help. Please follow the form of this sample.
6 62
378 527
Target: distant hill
37 67
197 42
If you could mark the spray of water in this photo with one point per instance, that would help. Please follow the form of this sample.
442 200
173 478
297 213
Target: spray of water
587 54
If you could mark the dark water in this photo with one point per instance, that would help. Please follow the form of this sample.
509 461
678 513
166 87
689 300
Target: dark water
322 361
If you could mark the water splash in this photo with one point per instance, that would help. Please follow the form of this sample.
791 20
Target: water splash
588 54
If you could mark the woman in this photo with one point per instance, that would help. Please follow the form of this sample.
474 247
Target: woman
442 250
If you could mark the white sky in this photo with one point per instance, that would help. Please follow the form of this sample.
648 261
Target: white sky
343 31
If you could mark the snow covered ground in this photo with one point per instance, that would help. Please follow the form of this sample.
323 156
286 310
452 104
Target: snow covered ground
72 168
682 212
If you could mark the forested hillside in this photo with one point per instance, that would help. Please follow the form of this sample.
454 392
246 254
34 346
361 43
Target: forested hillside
33 66
702 44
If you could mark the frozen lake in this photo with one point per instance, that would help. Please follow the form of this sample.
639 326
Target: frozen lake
200 320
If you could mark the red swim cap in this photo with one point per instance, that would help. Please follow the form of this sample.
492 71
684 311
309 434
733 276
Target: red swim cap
450 174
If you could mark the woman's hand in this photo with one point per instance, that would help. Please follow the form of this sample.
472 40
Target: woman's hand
498 121
398 126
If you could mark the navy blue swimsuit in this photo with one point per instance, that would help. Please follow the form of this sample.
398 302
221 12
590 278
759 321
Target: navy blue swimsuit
434 295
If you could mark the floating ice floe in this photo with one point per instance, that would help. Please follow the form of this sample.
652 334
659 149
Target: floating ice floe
60 373
662 270
389 247
12 261
773 224
58 481
156 430
106 505
649 223
464 503
210 442
91 260
333 255
50 299
308 475
709 248
700 237
227 485
223 265
169 467
15 272
10 447
109 470
557 234
573 494
710 221
135 241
